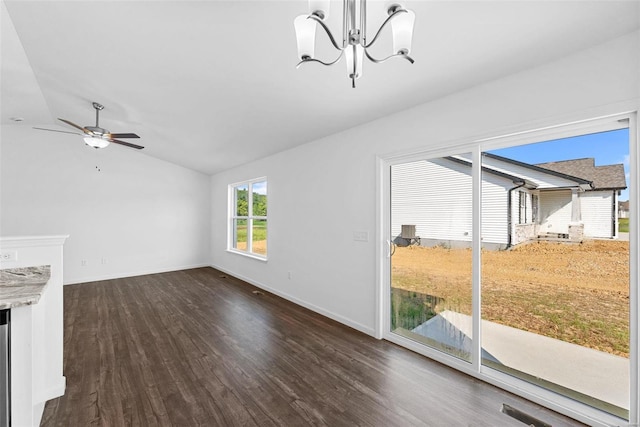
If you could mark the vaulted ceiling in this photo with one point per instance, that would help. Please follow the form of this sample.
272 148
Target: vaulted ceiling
212 84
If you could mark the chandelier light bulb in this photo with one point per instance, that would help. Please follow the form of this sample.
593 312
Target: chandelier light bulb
402 29
354 63
305 35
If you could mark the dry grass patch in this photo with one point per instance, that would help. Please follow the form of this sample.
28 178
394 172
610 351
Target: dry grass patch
576 293
259 246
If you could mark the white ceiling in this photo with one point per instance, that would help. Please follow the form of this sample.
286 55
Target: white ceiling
212 84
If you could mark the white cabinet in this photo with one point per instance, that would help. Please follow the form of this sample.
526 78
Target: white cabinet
36 331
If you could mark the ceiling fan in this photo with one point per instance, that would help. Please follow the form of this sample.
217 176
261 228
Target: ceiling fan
95 136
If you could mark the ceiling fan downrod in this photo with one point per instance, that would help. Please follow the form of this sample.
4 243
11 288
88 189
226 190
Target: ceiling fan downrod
98 107
96 130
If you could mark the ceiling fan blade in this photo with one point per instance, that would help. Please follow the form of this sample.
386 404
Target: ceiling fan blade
76 126
61 131
122 135
128 144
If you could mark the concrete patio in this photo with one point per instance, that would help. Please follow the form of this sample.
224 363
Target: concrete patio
594 373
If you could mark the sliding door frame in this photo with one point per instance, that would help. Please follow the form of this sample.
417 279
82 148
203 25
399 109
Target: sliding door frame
561 404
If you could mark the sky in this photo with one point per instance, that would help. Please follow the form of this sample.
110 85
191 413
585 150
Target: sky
260 187
608 148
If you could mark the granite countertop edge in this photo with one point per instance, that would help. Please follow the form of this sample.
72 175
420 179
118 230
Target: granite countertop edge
23 286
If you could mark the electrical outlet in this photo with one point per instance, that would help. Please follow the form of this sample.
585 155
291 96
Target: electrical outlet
83 262
9 256
289 275
104 261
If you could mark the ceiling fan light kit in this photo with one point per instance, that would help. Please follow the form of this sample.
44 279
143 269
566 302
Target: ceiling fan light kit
97 137
354 44
96 141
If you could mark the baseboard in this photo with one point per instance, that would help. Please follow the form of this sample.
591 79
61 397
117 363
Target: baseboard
331 315
133 274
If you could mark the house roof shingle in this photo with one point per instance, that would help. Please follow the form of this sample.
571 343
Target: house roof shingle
602 177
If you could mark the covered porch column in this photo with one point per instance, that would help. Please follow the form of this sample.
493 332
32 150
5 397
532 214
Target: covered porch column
576 227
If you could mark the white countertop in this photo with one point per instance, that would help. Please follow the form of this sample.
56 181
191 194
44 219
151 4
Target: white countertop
23 286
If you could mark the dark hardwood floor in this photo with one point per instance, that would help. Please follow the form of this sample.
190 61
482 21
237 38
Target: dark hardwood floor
193 348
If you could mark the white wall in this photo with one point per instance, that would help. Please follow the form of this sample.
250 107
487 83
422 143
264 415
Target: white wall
322 192
140 214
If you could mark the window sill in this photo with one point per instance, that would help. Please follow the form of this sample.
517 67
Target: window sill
248 255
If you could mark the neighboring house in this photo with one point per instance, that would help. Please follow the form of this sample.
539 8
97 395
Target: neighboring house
570 200
623 209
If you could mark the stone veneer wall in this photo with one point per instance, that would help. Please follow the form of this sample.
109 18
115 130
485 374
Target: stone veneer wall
576 231
523 233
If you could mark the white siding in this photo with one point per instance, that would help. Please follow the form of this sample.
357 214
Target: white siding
555 211
435 196
494 208
597 210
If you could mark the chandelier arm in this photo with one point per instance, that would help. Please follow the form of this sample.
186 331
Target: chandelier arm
379 61
386 21
326 29
321 62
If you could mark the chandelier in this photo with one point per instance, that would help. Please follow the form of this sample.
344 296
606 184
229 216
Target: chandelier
354 43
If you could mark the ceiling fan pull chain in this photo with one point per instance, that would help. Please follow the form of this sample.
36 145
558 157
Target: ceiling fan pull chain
96 155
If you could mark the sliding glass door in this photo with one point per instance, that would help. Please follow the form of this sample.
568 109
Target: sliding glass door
512 261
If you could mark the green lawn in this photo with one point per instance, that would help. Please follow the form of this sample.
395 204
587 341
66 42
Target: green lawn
623 225
259 230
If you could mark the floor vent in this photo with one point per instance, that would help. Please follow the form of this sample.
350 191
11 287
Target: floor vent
523 417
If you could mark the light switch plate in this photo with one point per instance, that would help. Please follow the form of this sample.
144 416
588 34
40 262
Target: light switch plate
361 236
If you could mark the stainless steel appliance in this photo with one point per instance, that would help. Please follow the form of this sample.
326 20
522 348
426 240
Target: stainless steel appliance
5 401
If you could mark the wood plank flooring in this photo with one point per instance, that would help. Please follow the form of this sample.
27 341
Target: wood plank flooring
196 348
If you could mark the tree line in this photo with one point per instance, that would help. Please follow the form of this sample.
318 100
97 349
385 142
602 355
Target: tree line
259 203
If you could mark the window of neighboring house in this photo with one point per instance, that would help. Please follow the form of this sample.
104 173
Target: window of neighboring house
522 203
248 217
534 208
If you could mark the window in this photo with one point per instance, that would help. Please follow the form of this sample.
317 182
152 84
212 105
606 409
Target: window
534 208
248 217
522 216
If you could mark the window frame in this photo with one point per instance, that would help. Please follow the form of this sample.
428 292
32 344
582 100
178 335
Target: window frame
522 207
534 207
233 217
